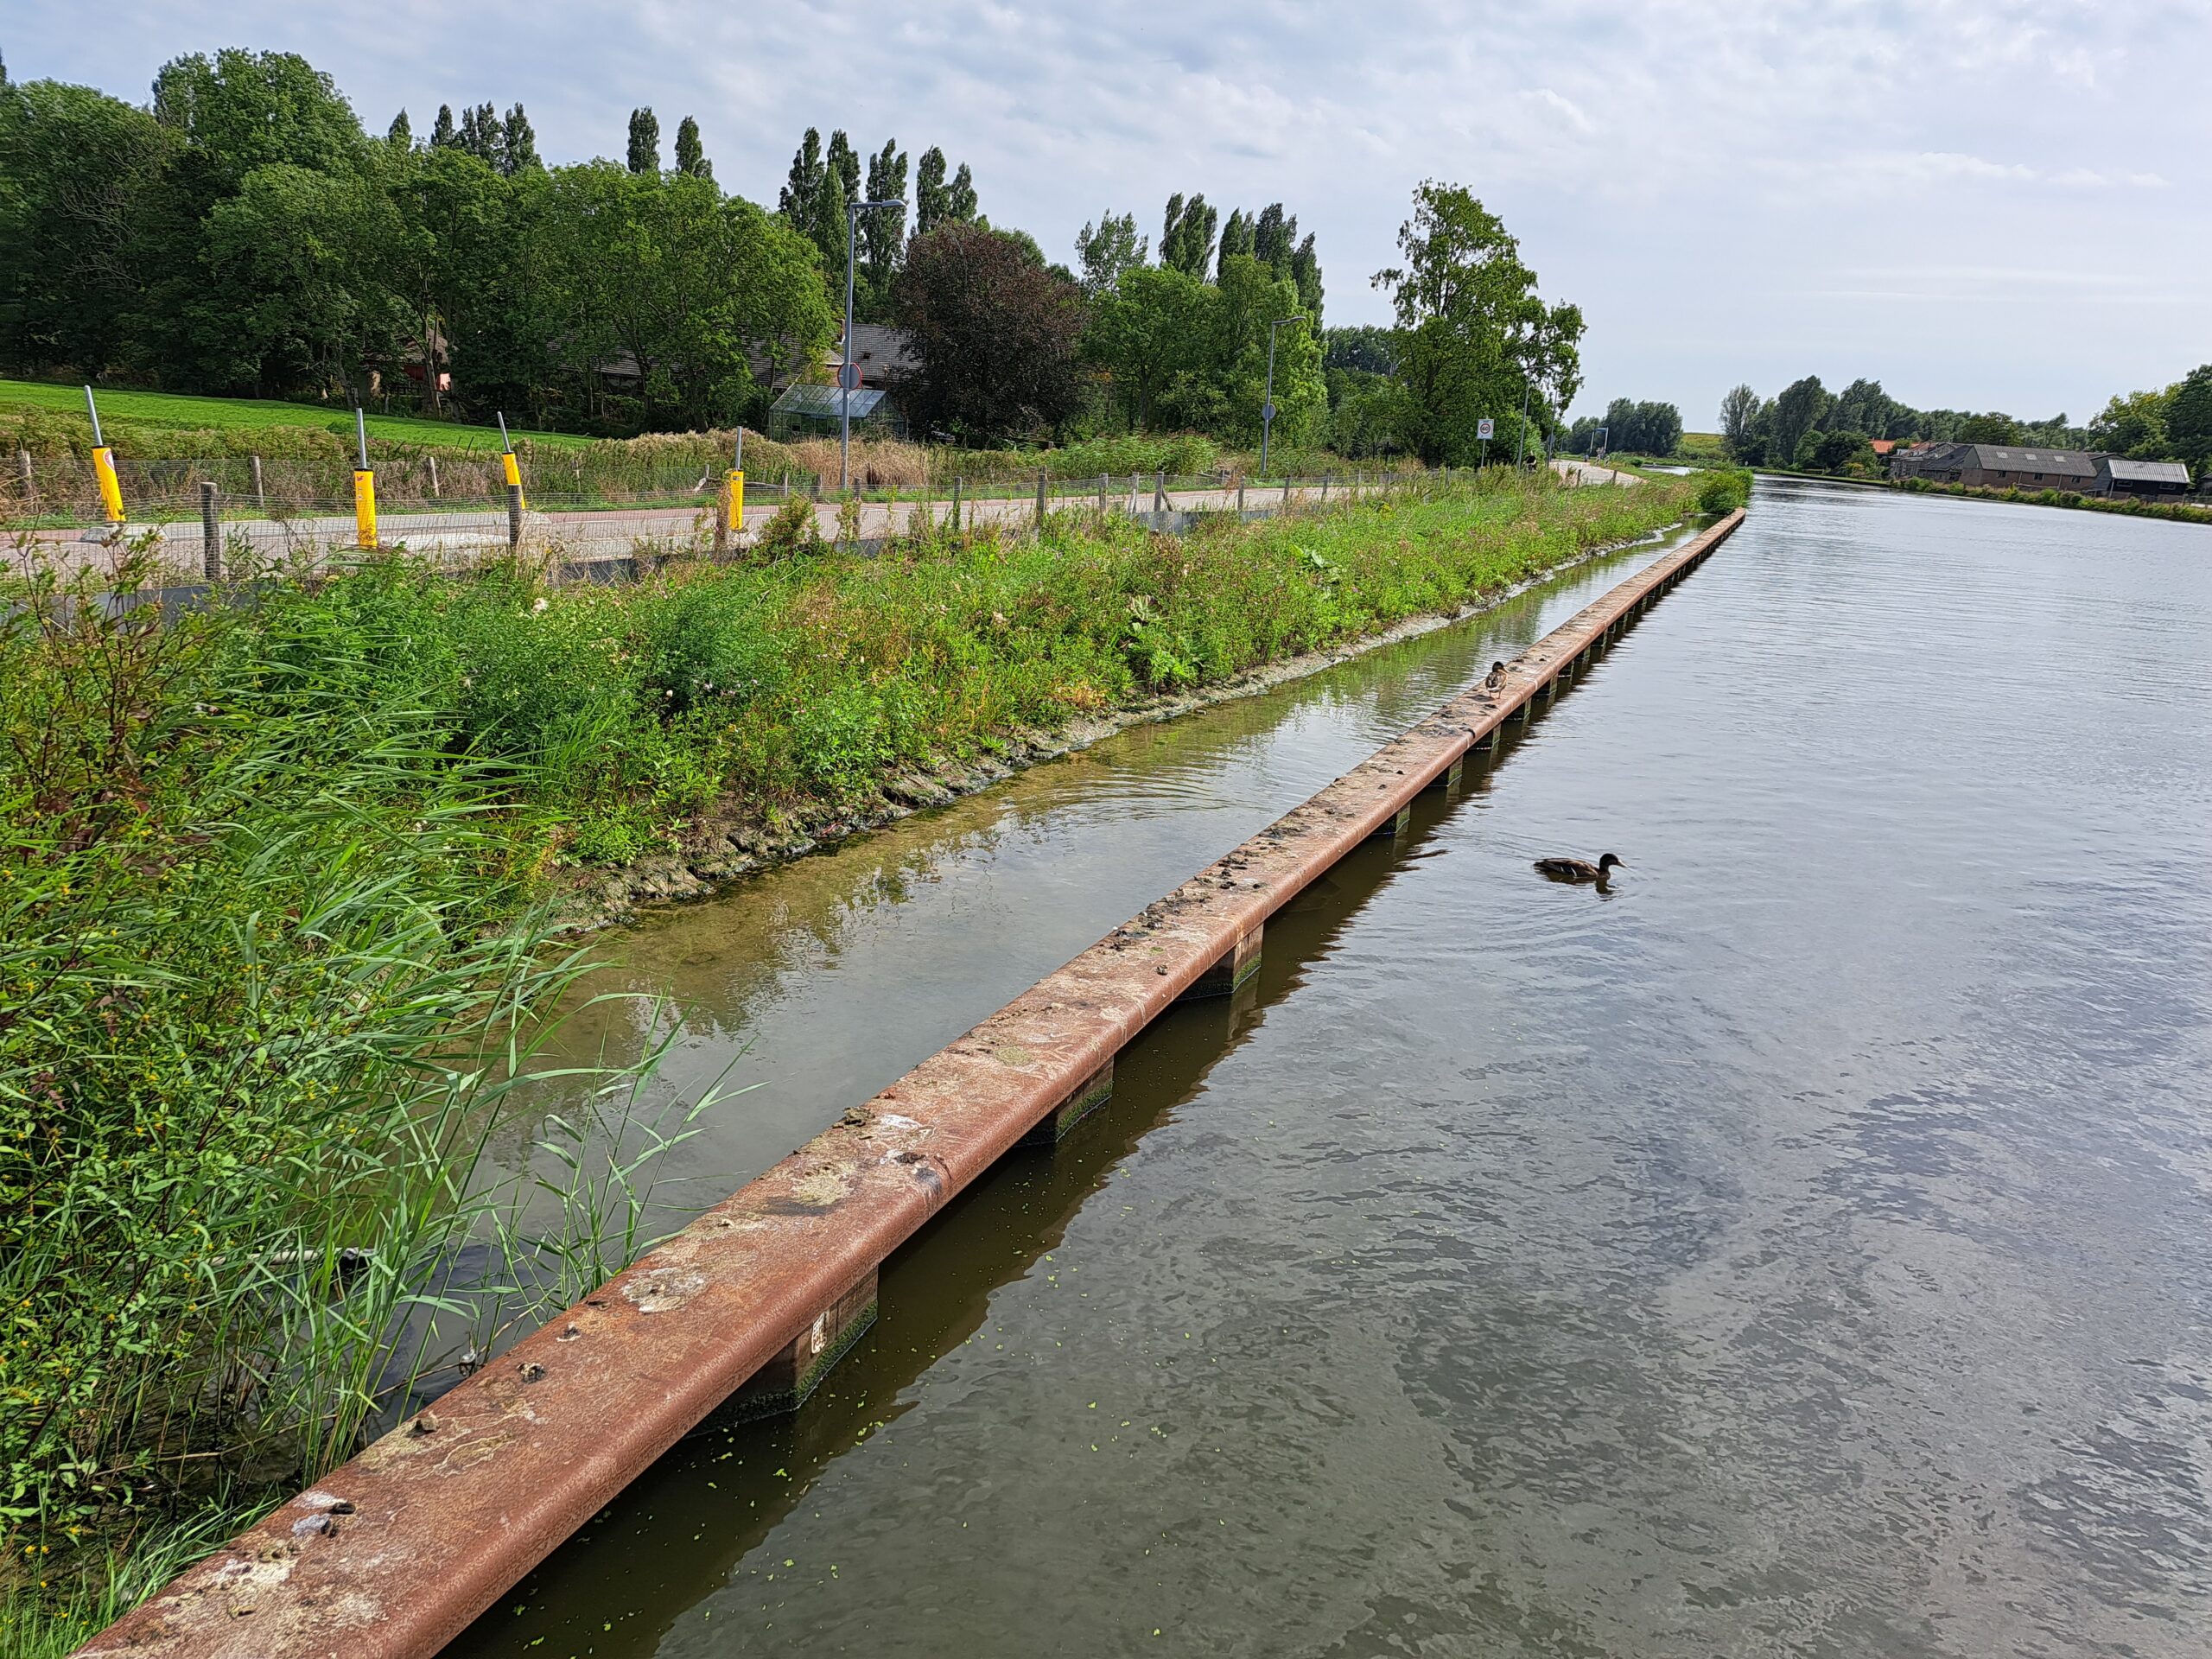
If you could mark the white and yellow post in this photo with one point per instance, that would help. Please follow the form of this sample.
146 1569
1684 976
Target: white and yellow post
509 465
365 488
104 465
734 495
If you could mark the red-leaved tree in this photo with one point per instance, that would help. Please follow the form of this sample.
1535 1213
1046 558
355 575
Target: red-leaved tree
992 334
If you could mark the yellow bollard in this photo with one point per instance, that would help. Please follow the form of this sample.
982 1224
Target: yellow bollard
365 506
510 466
733 500
110 487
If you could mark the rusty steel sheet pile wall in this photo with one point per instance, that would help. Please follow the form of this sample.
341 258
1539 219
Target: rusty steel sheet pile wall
393 1555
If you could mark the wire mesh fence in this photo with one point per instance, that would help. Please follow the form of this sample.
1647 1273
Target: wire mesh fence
221 520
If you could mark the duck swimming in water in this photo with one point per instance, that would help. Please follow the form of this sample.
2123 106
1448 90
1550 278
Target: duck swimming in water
1579 869
1495 681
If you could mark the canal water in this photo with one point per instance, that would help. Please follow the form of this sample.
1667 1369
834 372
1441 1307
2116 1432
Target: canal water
1802 1246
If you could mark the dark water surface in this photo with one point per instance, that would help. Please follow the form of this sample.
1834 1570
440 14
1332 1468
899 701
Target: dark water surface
1804 1247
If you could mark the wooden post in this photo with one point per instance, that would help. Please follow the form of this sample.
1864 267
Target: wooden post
1240 495
956 501
1040 500
1159 492
434 490
1101 497
210 532
23 466
260 494
1325 489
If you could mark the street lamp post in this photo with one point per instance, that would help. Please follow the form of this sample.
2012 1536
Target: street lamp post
1267 398
846 371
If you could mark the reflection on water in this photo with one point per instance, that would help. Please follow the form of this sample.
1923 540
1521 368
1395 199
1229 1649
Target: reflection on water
1805 1247
815 984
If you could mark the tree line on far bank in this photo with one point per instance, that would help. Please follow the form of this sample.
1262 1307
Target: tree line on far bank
1807 427
242 234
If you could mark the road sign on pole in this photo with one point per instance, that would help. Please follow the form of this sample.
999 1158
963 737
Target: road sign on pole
1485 430
849 376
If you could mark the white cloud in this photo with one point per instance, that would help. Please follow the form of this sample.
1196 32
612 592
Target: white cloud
1715 184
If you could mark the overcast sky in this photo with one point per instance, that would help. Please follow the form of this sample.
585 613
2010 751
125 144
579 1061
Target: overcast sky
1981 204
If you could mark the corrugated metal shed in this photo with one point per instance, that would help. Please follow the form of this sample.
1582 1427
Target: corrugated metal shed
2148 472
2065 463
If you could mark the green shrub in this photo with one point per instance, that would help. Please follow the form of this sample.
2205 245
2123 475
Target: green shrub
1723 490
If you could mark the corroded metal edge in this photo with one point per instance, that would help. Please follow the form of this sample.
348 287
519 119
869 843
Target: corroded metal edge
392 1555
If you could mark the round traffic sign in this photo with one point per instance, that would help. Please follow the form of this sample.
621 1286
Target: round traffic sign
849 376
1267 411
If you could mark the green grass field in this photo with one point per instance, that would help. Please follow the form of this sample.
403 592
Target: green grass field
169 408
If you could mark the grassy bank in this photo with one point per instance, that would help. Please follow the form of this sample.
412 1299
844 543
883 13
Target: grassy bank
2130 506
154 412
634 716
275 883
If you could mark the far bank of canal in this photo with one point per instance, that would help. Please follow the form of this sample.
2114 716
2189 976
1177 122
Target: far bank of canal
1806 1245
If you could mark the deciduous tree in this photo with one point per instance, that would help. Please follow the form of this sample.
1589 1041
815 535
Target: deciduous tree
1186 238
691 156
1107 250
2188 420
1737 410
1471 331
644 154
517 143
1802 406
993 334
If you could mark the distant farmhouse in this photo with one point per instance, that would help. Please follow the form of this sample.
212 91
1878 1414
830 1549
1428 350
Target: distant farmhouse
2001 466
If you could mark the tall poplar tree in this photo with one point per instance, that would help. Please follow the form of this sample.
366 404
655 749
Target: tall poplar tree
518 144
691 159
645 141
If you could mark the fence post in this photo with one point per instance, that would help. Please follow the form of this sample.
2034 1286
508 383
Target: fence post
1159 492
514 515
210 532
1240 495
260 495
23 466
1325 488
1040 500
1285 491
434 490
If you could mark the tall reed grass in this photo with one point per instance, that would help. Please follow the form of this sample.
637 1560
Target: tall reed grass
272 964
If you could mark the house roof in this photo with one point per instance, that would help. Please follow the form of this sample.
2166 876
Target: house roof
1884 445
880 349
2004 458
2147 471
